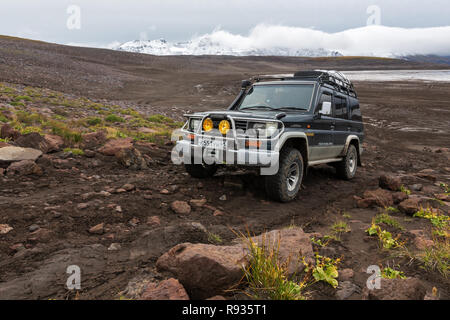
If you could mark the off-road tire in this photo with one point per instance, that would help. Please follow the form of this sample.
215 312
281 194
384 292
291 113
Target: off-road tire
200 171
277 185
346 169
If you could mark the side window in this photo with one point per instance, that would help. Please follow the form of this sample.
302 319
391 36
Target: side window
355 111
324 97
340 107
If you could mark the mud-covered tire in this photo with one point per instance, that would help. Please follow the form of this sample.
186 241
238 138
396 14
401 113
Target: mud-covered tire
200 171
346 169
281 187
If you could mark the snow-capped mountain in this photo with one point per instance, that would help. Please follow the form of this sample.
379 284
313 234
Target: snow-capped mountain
206 46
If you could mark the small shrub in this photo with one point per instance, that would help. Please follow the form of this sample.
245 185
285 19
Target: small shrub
114 118
326 269
390 273
437 257
405 190
388 220
3 118
385 237
159 118
438 220
214 238
94 121
74 151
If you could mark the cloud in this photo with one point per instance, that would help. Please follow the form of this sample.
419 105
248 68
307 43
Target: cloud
365 41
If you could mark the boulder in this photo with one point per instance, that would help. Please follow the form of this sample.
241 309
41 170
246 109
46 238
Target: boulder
54 143
378 197
399 197
4 144
170 289
12 154
397 289
115 145
204 270
131 158
32 140
346 289
93 140
7 132
292 244
410 206
23 168
180 207
390 182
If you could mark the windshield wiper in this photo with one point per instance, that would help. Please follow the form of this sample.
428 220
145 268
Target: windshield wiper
290 108
257 107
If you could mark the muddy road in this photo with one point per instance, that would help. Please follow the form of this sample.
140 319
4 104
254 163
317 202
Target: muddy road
52 215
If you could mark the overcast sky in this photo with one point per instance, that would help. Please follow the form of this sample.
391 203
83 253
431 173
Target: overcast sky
107 21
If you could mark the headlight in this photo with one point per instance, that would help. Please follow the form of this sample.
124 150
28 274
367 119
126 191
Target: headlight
194 124
268 128
224 126
208 124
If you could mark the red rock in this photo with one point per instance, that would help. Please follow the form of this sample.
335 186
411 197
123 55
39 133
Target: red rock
97 229
346 274
397 289
54 143
218 213
115 145
378 197
390 182
4 144
5 228
128 187
24 167
197 203
131 158
93 140
153 221
410 206
32 140
7 132
170 289
180 207
399 197
42 235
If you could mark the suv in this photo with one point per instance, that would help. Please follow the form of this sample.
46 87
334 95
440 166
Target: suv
281 124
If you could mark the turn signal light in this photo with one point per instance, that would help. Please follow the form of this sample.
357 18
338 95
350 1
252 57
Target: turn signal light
253 143
208 124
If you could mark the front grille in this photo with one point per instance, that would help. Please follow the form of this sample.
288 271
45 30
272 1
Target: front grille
241 124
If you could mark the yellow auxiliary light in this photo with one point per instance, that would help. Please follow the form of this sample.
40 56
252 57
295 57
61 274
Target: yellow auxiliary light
224 126
208 124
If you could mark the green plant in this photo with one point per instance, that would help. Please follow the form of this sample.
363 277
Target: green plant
346 215
267 276
390 273
437 257
385 237
391 210
405 190
214 238
94 121
326 269
388 220
159 118
3 118
74 151
445 187
438 220
319 242
114 118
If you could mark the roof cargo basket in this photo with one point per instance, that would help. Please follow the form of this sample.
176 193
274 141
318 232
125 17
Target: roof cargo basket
331 77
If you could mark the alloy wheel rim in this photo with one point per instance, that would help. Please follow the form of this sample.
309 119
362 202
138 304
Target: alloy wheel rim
292 177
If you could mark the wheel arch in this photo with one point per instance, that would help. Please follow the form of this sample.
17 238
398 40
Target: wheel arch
353 140
297 140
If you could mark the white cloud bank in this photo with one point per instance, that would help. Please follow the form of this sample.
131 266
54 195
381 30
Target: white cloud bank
366 41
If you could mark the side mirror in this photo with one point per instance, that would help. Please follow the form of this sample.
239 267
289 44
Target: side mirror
246 84
325 109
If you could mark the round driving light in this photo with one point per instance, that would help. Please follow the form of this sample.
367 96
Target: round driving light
224 126
208 124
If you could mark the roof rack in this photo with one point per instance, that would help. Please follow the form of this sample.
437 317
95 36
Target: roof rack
331 77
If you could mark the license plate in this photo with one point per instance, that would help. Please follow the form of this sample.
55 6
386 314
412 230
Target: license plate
212 143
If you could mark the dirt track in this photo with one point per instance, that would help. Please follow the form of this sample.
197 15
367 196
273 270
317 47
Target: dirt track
407 125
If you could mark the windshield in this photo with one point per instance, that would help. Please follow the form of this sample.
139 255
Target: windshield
282 96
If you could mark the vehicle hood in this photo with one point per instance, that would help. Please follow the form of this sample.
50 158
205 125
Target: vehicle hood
289 116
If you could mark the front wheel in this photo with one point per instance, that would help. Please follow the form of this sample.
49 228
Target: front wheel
200 171
284 185
346 169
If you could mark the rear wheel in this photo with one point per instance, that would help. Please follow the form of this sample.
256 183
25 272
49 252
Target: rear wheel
284 185
346 169
200 171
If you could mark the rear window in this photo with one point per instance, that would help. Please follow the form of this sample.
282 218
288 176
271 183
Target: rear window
355 111
340 104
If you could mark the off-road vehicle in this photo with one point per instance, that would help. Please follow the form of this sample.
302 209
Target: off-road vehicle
282 124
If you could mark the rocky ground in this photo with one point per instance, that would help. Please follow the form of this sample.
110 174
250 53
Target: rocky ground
86 179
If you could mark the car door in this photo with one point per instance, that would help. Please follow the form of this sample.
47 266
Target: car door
321 132
342 126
